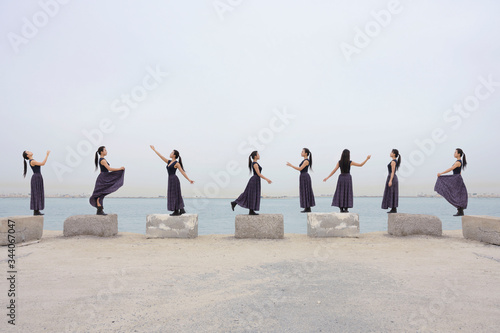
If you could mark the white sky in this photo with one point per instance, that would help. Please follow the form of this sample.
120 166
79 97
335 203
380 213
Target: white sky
227 75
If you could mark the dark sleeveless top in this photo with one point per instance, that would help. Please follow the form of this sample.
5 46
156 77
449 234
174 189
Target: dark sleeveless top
36 168
102 167
389 168
347 170
253 169
306 168
171 169
458 170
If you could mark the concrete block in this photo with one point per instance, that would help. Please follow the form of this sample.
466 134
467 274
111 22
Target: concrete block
259 226
332 225
483 228
399 224
27 228
166 226
92 225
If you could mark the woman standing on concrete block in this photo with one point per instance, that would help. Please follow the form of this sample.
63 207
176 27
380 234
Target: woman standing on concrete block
107 182
174 195
37 202
250 198
452 187
306 193
391 191
343 197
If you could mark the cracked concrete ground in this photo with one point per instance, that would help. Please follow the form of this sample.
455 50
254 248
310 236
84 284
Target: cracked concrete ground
216 283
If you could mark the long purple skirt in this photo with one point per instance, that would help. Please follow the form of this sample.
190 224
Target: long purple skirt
174 195
452 188
37 192
106 183
250 198
305 191
391 194
343 194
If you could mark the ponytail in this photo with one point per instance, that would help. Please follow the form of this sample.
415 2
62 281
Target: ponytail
96 159
462 155
180 162
25 157
396 154
309 156
250 157
97 154
177 155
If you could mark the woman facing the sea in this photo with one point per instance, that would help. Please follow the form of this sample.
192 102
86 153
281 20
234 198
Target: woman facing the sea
391 191
452 187
175 202
109 180
305 185
343 197
37 202
250 198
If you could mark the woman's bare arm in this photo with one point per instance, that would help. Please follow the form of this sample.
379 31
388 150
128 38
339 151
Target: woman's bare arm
178 166
106 165
333 172
361 164
257 171
393 170
453 167
306 163
33 162
160 155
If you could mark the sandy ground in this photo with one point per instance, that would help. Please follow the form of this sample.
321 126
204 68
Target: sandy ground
375 283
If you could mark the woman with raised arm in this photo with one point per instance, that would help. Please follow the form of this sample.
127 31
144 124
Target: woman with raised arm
250 198
305 185
109 180
175 202
391 191
343 197
37 202
452 187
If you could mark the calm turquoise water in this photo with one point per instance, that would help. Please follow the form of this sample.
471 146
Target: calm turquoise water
216 217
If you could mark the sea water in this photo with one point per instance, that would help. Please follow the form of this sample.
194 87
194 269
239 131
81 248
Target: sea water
216 217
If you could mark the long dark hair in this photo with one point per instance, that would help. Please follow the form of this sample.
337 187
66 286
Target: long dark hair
176 154
345 160
252 155
398 162
97 154
462 155
25 156
309 156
